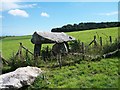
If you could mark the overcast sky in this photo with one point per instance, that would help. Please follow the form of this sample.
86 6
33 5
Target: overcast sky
23 18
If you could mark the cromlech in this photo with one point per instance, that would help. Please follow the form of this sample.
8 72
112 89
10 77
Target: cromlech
39 38
59 45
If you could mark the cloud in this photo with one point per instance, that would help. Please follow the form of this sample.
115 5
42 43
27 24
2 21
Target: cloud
28 6
1 16
109 14
18 12
44 14
13 4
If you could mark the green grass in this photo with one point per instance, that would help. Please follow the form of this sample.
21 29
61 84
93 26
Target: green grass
88 35
10 45
99 74
86 74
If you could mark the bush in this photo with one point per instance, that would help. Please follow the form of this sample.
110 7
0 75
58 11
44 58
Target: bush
75 46
16 61
110 48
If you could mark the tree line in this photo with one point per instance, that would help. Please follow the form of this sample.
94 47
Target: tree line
85 26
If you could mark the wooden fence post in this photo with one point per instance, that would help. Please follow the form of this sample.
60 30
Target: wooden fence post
83 52
100 41
110 39
27 56
20 51
60 60
94 37
95 42
47 51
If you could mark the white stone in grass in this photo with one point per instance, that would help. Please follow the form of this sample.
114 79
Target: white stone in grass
20 77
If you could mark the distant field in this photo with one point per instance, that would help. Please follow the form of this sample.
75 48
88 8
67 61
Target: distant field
10 45
88 35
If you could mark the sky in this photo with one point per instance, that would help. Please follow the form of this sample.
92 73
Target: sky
24 18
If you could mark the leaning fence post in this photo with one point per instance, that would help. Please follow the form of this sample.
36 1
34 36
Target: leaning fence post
110 39
83 51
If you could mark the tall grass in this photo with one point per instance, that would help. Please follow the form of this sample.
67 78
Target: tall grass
102 74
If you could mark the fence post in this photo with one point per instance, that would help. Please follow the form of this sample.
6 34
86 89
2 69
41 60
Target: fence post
110 39
100 41
20 51
27 56
95 42
60 60
47 52
83 57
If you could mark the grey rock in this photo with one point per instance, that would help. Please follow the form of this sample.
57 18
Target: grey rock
20 77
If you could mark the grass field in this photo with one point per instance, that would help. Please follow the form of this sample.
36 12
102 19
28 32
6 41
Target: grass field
99 74
84 74
88 35
10 45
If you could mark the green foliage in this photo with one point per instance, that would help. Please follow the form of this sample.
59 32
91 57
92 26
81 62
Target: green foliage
6 69
75 46
40 82
17 61
85 26
110 48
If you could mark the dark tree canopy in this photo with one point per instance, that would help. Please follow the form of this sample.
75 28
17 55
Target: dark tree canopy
85 26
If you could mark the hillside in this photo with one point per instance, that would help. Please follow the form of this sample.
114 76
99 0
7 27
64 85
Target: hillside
87 36
10 45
